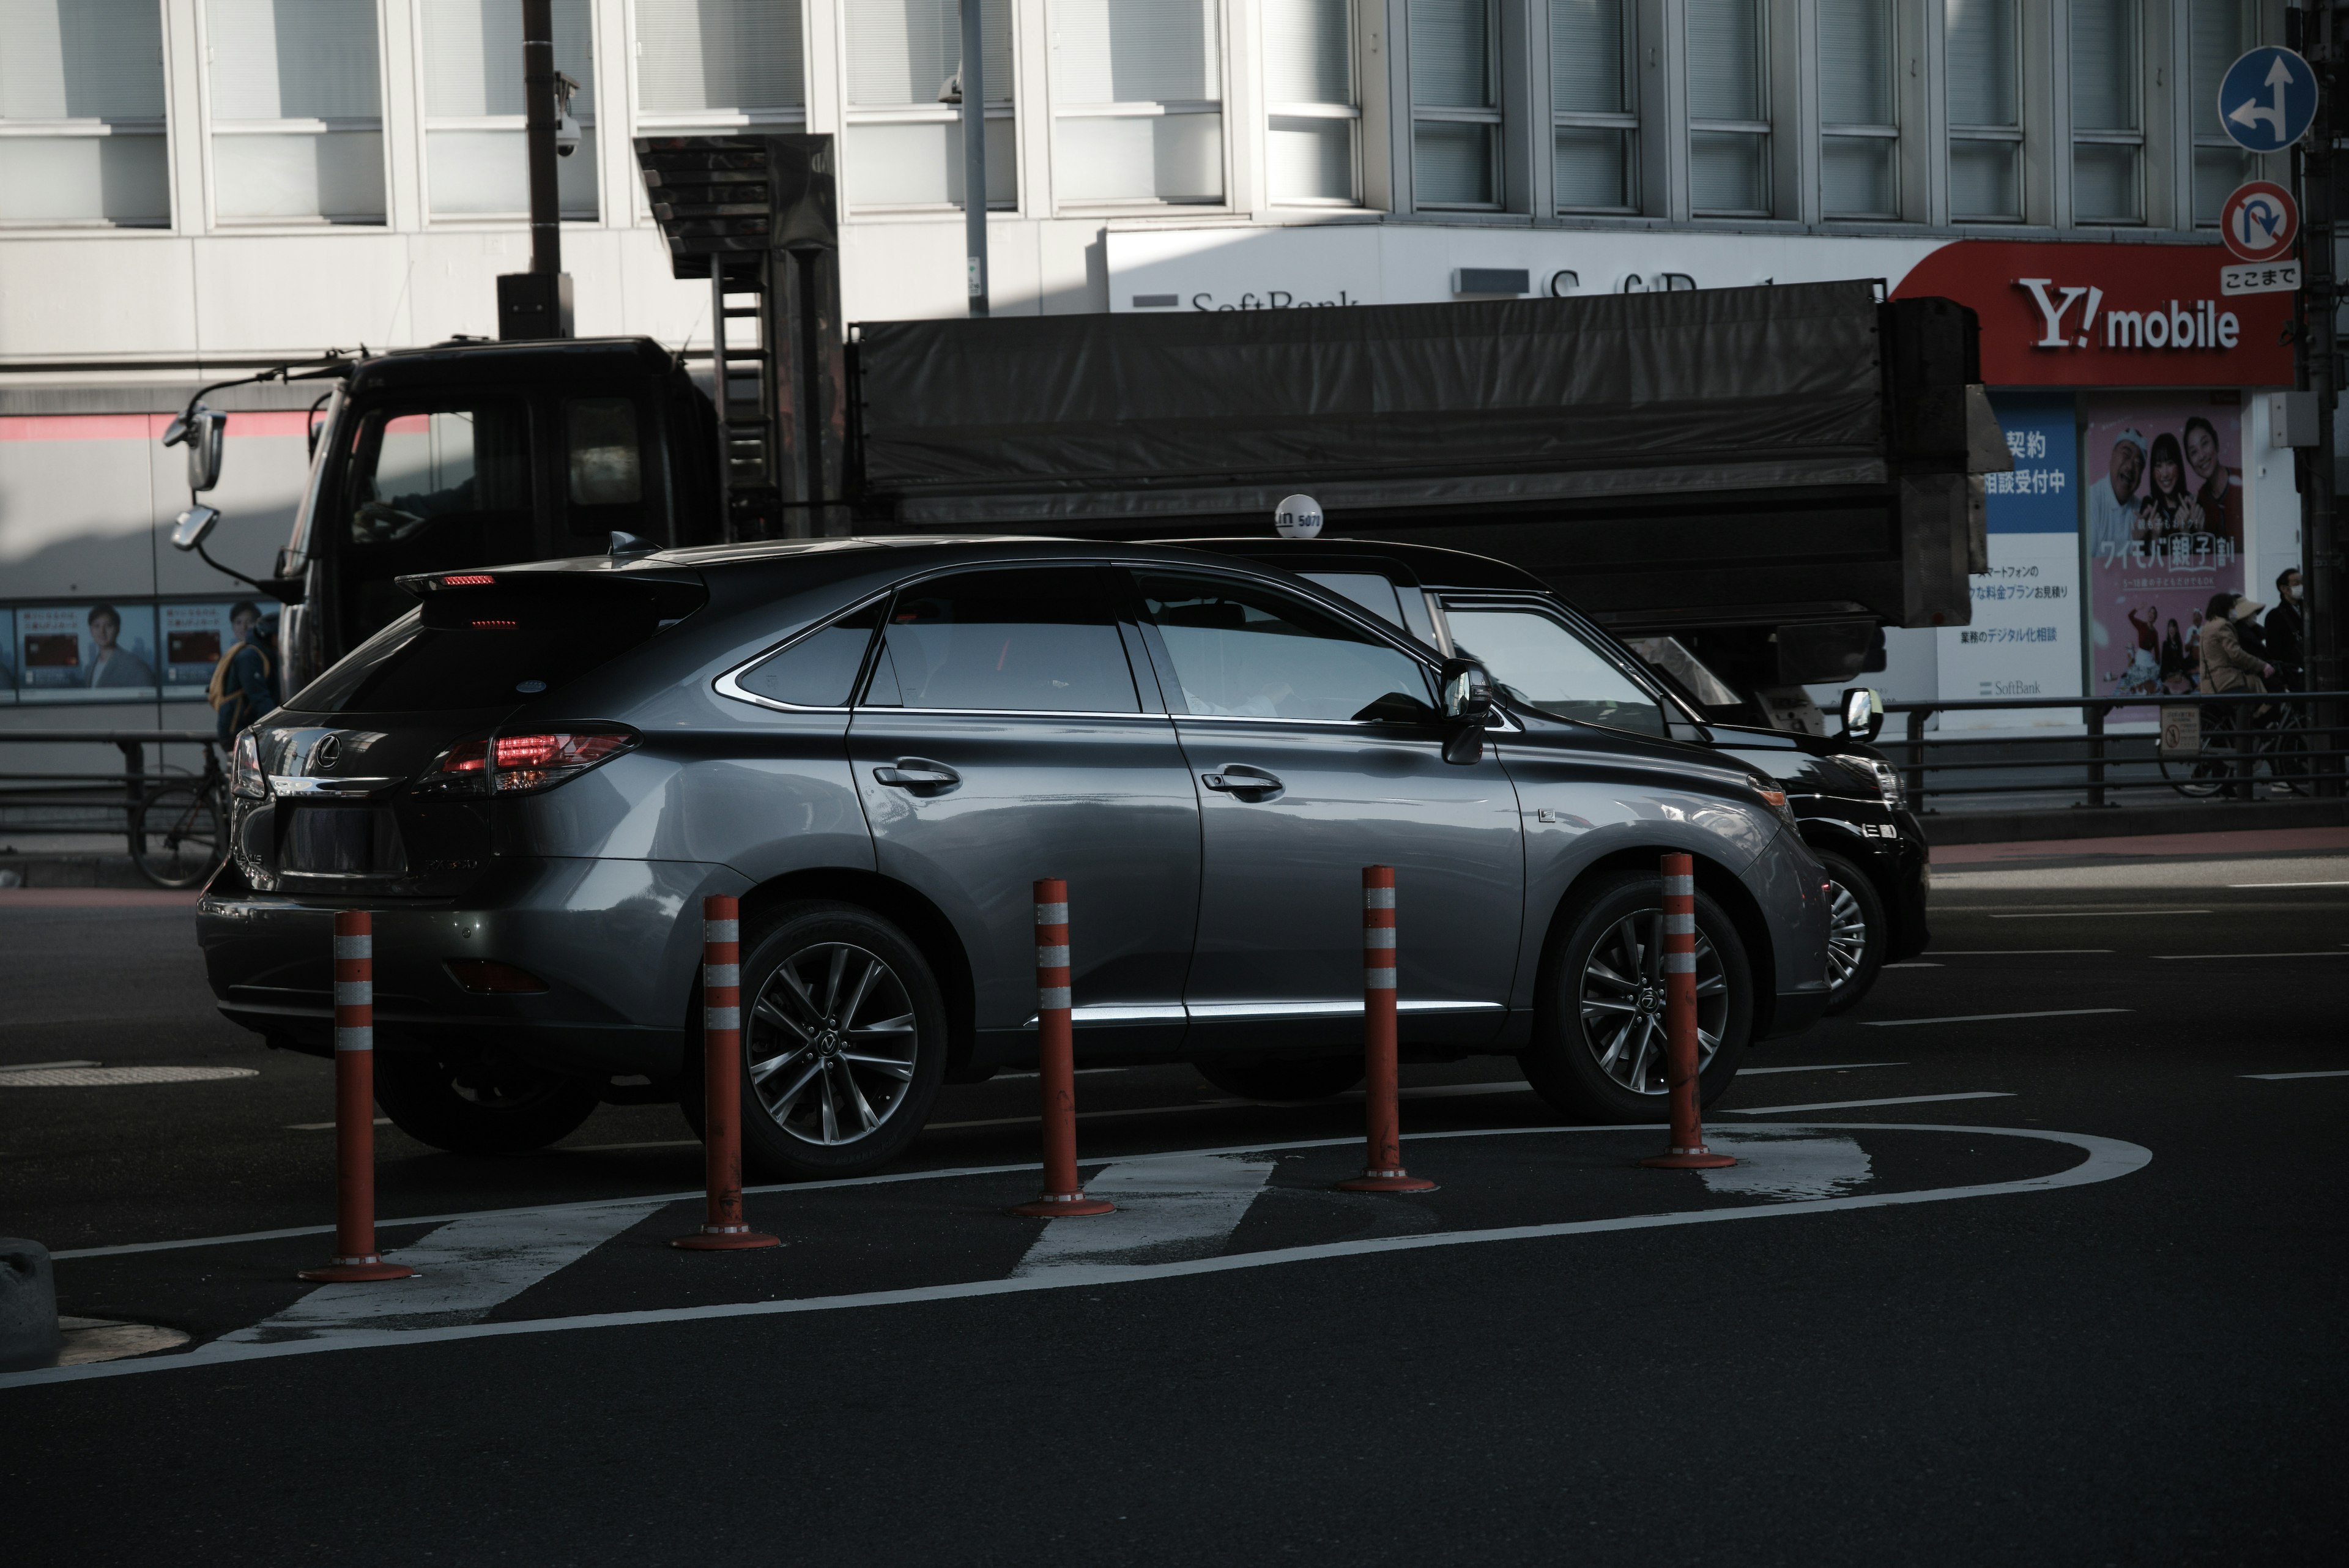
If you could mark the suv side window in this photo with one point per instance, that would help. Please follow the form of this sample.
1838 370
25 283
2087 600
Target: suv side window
1545 665
1020 639
1248 651
818 670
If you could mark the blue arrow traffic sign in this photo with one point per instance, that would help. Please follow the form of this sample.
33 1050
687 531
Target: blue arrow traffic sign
2267 99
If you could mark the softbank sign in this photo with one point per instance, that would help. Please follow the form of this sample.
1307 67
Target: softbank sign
2201 325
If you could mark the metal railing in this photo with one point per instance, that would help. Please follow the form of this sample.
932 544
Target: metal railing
97 804
2240 744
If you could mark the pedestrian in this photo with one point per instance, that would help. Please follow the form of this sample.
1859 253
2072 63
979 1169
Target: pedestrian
2286 631
242 689
2228 666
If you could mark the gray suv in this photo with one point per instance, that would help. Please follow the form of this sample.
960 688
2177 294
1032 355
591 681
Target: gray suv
535 777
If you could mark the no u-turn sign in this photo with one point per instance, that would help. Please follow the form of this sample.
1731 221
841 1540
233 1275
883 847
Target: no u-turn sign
2260 222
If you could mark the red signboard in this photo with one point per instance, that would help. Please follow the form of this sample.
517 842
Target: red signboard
2070 314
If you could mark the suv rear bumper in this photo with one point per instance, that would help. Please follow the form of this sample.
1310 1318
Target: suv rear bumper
617 941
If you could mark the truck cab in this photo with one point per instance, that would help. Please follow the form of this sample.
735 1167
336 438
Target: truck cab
472 454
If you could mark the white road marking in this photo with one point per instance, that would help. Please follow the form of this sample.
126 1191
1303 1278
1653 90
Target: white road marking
1781 1167
1855 1105
2011 952
38 1066
2095 914
1169 1207
2107 1159
2276 1077
1816 1067
327 1127
2321 952
1987 1017
2287 884
467 1266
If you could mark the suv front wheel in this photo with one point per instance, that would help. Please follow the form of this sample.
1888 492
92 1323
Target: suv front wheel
843 1043
1598 1051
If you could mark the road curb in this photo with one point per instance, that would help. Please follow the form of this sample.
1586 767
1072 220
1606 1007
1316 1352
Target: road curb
2129 821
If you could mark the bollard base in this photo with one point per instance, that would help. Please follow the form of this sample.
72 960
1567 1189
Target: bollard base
1063 1206
726 1239
356 1271
1374 1179
1697 1159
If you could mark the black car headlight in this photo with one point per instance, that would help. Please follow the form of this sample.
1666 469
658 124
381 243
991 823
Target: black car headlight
1880 772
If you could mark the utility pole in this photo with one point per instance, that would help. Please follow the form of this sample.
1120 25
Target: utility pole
537 303
2321 574
974 154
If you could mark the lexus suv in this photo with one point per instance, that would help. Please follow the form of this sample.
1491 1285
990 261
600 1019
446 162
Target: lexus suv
535 777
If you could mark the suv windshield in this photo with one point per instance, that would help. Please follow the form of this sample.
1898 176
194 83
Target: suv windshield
1543 665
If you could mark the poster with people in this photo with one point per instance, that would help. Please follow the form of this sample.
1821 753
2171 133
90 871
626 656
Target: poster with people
102 652
2023 639
2165 533
196 635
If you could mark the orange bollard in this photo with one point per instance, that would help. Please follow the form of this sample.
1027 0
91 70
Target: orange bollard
1687 1151
723 1228
1382 1169
1056 1062
356 1259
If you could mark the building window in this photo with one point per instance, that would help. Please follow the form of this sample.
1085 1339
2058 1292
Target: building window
1729 109
720 64
2218 31
475 162
1456 109
904 118
1313 113
2108 121
1138 100
1859 142
81 113
1985 113
297 111
1593 154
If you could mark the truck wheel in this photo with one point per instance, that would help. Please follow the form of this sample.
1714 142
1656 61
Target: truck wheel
1858 934
1599 1047
843 1043
479 1107
1282 1082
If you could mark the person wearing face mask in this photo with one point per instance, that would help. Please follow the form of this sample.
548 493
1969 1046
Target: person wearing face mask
2288 634
2228 666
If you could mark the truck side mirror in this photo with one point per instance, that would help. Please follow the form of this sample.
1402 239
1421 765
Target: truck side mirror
1863 713
195 527
202 431
1467 690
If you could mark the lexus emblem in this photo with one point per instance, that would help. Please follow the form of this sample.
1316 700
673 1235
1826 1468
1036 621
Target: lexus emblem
325 754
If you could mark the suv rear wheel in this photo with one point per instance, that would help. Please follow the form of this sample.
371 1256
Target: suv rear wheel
479 1107
1599 1052
843 1043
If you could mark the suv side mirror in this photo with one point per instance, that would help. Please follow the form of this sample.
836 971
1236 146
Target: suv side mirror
1863 713
1467 690
202 431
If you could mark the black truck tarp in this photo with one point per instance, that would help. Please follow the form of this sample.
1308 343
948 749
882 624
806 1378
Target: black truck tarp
1773 453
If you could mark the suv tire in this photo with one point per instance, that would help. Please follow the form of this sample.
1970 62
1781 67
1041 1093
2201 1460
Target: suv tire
1858 934
1582 1055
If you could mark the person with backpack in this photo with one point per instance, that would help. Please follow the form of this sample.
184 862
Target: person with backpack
240 689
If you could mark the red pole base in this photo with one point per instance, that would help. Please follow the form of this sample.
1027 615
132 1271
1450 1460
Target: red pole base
1697 1159
356 1271
1064 1206
1374 1180
726 1239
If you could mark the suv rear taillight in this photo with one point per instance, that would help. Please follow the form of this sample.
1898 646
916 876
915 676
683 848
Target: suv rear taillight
244 774
518 765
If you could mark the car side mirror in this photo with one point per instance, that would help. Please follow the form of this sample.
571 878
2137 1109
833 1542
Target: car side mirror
1467 690
195 525
202 431
1863 713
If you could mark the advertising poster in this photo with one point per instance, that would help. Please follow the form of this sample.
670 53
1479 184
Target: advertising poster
2024 638
2165 532
196 635
100 652
7 657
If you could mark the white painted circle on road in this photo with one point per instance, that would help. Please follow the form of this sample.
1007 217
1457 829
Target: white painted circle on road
105 1078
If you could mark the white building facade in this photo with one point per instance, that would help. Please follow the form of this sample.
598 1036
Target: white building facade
192 188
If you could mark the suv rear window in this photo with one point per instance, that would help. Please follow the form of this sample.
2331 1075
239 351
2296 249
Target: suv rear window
496 646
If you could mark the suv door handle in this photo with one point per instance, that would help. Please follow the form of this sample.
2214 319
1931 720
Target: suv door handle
917 773
1239 778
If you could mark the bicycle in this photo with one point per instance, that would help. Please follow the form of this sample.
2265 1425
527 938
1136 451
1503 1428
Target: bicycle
179 834
2231 757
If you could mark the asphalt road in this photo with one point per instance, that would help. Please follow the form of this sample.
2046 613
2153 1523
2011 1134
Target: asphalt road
2108 1331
